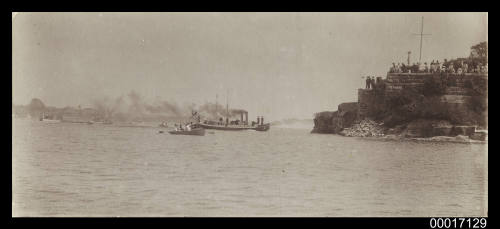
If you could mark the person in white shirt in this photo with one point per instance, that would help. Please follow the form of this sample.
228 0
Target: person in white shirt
421 67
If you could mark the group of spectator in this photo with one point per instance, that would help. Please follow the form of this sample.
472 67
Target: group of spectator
453 67
371 81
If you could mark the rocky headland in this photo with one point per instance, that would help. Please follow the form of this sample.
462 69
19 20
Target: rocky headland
424 106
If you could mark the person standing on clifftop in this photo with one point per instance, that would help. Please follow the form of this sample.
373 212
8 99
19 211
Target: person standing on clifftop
368 81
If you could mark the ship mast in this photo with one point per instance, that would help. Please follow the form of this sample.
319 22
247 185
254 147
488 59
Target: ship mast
227 103
216 105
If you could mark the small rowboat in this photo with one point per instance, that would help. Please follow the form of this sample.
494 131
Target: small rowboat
195 131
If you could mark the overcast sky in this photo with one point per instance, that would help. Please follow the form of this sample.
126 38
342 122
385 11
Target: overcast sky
279 65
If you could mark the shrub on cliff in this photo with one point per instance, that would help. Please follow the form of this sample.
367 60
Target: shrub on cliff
477 85
396 109
477 104
407 96
435 86
432 108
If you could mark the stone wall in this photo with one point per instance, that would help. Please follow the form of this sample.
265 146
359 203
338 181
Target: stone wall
366 101
395 82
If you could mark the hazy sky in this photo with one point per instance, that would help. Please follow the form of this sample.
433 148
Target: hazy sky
279 65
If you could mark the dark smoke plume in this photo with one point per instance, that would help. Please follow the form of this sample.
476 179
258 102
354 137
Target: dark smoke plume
134 107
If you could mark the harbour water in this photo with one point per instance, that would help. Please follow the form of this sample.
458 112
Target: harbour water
66 169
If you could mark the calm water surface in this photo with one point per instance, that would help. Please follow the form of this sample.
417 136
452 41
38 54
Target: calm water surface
103 170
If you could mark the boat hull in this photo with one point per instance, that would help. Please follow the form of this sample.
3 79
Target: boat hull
222 127
263 127
196 132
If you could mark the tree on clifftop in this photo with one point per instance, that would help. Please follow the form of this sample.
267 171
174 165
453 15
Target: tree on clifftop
479 51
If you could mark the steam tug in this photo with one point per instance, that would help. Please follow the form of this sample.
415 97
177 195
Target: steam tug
241 124
237 125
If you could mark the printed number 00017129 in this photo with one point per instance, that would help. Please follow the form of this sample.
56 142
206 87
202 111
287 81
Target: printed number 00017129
458 223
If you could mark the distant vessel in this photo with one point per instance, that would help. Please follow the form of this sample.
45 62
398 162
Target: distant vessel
241 124
90 122
48 119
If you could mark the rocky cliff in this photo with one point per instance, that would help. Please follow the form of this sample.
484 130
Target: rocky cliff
335 121
421 106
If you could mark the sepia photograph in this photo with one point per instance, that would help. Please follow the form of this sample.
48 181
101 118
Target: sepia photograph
250 114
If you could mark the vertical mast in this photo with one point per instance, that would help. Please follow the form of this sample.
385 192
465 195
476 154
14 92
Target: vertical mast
227 103
422 34
216 105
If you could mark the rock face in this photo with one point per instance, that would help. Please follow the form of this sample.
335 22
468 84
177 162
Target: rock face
414 106
347 114
442 130
345 125
332 122
463 130
325 122
424 128
480 136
